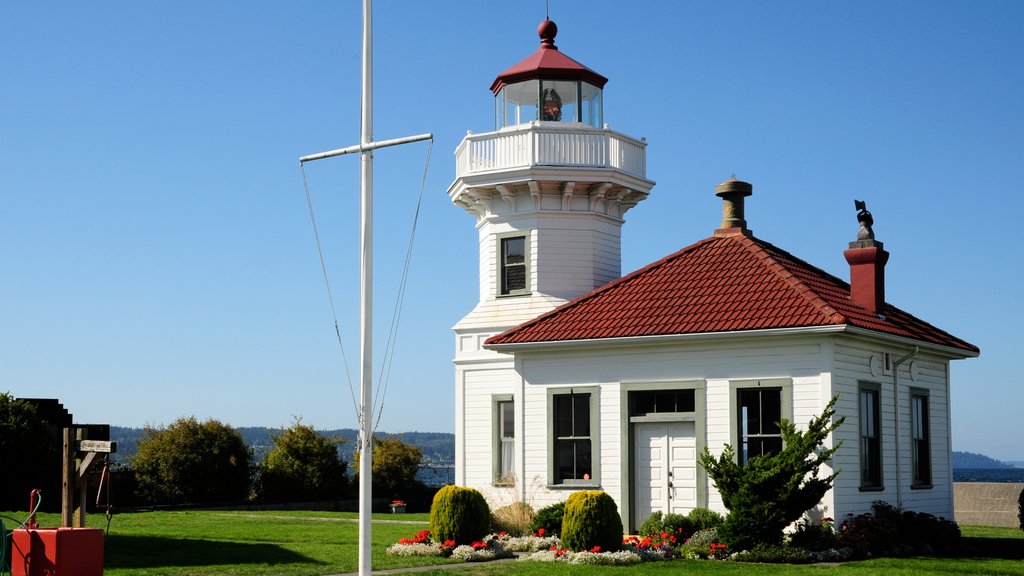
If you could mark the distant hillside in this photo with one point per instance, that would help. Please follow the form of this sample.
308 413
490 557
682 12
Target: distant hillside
437 447
972 460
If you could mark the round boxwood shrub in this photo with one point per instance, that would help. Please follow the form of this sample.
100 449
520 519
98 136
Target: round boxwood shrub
459 514
591 519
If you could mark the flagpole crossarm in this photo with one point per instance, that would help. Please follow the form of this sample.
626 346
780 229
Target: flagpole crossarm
365 147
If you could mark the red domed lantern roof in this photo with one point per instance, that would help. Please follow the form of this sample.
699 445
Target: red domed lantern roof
547 63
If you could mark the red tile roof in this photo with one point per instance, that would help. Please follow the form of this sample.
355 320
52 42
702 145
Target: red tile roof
724 283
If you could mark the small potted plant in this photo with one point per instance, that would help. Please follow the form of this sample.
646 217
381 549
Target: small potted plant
398 506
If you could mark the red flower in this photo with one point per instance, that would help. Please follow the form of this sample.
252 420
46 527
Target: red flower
540 533
449 543
664 535
595 549
553 547
502 533
478 545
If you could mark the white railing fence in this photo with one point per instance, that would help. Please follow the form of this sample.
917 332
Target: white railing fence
540 145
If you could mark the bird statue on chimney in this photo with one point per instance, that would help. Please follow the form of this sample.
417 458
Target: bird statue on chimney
866 221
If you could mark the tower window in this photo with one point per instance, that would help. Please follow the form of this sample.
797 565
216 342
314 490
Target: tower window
513 273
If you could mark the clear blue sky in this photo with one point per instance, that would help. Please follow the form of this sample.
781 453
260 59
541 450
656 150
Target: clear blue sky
157 258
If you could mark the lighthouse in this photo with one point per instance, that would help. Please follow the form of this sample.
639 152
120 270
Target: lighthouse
548 190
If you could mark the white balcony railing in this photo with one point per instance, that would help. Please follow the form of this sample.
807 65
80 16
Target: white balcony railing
538 144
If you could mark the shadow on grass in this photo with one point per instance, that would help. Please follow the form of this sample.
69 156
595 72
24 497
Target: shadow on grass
149 552
996 548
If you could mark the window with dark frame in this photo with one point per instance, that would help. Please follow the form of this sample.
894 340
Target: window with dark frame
920 440
870 439
513 265
759 411
573 445
663 401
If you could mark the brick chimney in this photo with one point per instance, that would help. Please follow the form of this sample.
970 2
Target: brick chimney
732 192
867 260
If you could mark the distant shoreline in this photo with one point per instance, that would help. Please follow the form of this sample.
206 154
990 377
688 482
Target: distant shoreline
1008 475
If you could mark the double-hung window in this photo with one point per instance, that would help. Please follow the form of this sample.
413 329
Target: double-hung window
870 437
920 438
513 264
759 411
505 443
573 440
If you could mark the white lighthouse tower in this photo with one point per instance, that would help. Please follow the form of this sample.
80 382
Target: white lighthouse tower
549 189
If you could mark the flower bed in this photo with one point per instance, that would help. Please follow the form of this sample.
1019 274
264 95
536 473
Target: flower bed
543 548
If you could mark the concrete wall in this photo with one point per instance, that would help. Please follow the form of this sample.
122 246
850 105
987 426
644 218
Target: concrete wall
986 503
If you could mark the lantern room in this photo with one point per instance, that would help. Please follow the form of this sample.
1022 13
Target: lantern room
548 86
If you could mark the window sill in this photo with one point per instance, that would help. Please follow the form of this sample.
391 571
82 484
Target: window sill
872 488
579 486
503 484
921 486
515 294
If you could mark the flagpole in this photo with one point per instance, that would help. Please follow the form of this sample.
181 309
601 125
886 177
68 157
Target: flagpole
365 148
366 303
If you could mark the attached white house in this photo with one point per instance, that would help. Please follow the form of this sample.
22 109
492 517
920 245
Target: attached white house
569 377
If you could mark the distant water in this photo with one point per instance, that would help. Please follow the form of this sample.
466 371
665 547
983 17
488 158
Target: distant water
988 475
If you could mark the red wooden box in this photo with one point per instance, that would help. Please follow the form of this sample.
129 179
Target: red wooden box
57 552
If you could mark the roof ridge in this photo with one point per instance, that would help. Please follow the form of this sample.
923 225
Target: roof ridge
602 289
761 249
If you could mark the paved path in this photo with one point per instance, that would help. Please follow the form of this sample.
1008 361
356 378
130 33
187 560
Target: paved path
458 566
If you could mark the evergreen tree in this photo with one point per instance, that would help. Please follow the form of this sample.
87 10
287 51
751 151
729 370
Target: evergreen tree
774 490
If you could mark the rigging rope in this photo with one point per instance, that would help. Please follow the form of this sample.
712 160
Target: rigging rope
327 284
389 349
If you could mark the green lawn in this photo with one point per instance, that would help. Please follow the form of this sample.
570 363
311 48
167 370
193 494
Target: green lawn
290 543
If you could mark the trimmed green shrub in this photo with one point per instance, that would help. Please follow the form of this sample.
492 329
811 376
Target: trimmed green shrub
591 519
817 537
549 519
652 526
513 519
891 531
675 524
703 518
459 514
774 554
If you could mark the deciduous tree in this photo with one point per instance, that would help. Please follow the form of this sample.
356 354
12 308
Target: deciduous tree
395 464
303 465
193 462
26 450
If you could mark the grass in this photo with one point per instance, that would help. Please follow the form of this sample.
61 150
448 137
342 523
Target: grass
290 543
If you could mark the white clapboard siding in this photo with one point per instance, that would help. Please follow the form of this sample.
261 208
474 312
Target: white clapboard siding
480 386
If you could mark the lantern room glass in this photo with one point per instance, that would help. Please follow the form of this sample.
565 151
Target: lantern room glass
549 101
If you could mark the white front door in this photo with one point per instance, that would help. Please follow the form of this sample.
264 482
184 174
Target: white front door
665 468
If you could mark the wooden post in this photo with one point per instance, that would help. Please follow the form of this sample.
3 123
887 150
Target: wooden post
81 466
68 480
74 483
